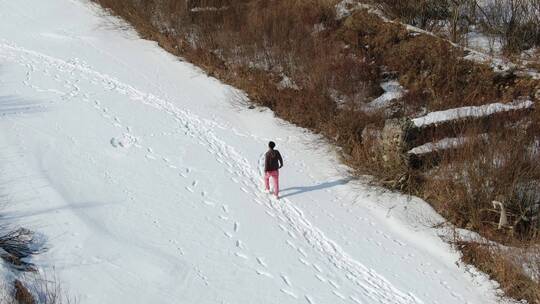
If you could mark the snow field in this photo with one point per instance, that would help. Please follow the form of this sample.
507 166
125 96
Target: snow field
145 176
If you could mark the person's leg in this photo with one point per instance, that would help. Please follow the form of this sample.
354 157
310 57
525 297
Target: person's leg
275 176
266 181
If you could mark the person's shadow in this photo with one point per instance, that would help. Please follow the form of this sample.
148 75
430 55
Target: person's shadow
304 189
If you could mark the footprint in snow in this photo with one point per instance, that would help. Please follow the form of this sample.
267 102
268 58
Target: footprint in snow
261 262
334 284
309 300
317 268
122 142
304 262
225 208
321 278
241 255
286 280
264 273
209 203
289 293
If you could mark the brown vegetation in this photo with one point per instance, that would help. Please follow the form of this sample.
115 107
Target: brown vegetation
18 245
498 167
22 294
33 290
316 71
503 268
513 23
434 71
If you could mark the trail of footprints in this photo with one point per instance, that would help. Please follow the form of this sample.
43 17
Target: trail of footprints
238 175
236 165
261 267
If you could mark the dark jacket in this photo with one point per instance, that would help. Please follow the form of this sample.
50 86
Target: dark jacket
272 161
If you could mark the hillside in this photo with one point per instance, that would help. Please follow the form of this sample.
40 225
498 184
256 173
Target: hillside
364 74
143 170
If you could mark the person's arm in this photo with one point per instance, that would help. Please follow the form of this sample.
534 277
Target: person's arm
280 159
266 162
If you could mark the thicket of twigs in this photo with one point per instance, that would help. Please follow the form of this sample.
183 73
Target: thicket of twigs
17 246
515 24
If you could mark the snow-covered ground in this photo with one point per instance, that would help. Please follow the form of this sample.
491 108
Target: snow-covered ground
470 112
144 174
392 92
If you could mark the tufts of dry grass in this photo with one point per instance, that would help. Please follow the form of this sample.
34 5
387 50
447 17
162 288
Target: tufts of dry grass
334 66
17 245
503 268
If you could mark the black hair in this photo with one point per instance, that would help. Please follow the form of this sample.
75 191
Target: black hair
271 145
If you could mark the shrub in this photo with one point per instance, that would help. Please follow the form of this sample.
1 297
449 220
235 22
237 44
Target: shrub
499 266
424 13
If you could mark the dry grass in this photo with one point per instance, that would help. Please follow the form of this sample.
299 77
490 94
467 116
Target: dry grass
22 294
499 266
513 23
17 245
35 289
433 71
335 67
499 166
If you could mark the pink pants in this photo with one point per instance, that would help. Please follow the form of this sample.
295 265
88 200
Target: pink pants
275 178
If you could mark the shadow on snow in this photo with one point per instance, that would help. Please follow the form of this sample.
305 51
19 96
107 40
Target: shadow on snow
11 105
304 189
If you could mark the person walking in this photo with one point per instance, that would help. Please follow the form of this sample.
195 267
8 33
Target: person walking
272 163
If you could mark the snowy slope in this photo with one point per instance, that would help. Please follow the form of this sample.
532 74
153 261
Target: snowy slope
144 174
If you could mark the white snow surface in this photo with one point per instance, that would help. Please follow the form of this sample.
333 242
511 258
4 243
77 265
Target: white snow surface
444 144
470 112
144 174
392 91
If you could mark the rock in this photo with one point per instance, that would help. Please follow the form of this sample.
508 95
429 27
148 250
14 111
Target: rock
394 142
